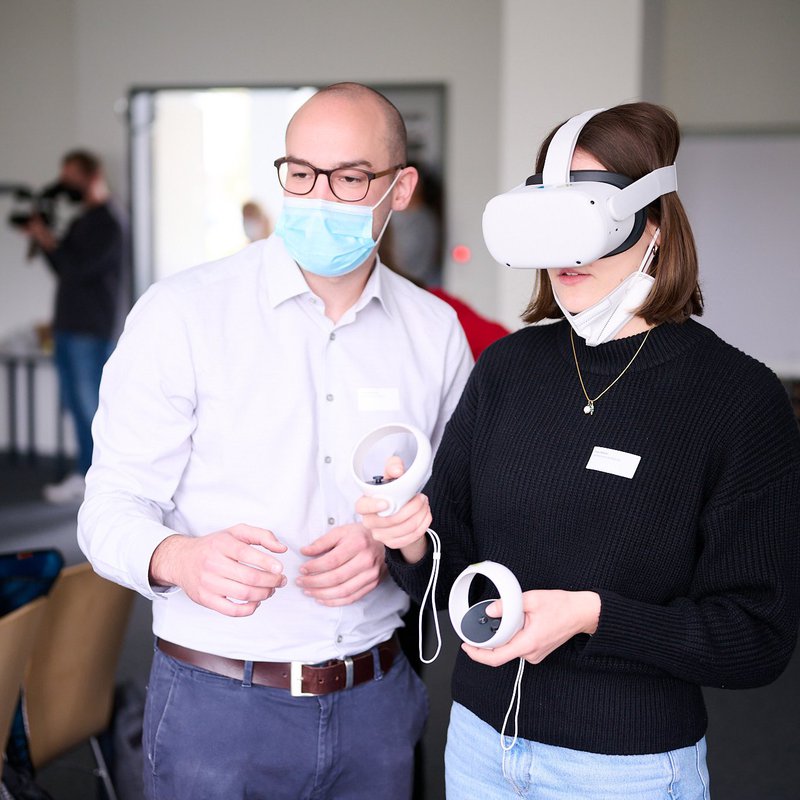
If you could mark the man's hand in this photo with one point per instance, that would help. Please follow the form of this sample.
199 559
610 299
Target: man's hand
221 568
41 234
345 564
552 617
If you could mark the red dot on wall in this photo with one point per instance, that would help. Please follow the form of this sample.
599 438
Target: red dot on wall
461 254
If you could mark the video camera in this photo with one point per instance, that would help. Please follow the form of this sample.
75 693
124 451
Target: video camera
29 203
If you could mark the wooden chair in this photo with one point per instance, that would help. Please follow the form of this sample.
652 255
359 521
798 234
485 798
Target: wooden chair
18 631
69 686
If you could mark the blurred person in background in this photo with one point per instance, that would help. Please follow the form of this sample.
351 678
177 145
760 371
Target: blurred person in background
413 246
88 263
255 221
414 238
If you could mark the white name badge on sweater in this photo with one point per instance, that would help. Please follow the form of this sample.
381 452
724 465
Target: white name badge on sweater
379 399
615 462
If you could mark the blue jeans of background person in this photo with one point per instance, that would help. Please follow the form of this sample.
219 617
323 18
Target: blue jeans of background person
79 361
474 759
207 737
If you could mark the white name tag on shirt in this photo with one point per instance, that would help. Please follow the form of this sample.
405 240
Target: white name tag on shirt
614 462
379 399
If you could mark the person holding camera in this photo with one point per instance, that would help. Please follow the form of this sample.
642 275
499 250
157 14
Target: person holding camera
88 264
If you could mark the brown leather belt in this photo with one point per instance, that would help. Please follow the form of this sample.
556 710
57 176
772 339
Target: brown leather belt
300 678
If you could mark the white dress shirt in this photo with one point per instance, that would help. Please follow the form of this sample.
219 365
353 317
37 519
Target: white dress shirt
232 398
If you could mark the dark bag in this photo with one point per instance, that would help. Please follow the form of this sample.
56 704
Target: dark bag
27 575
17 786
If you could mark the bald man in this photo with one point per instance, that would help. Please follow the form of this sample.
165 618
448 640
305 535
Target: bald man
221 486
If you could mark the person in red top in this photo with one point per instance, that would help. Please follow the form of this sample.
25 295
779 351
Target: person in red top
480 330
412 247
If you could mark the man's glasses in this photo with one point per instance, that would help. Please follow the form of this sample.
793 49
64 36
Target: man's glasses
347 183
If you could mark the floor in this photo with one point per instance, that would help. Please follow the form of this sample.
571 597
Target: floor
753 735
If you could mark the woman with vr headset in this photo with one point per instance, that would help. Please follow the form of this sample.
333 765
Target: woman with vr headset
641 478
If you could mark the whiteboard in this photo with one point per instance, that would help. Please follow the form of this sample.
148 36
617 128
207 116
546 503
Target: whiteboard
742 195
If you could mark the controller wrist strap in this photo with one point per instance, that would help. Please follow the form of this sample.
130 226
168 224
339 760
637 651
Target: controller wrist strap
516 694
430 589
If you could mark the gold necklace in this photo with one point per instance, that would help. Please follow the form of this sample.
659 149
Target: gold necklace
589 407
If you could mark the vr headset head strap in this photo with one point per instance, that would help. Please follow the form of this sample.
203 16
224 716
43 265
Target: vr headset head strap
641 193
562 147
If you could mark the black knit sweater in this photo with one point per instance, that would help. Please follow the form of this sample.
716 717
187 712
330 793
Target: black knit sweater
695 558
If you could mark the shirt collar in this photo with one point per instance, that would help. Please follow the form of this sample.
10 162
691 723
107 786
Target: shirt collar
378 288
286 279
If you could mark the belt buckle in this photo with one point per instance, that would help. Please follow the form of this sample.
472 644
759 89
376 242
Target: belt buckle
348 672
296 679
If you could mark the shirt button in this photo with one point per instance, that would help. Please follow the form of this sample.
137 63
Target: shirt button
329 397
339 639
328 459
331 520
332 336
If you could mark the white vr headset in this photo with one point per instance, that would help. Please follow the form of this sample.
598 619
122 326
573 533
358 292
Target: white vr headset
564 218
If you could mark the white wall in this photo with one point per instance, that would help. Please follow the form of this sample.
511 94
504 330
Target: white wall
731 73
741 193
732 64
37 123
317 42
553 66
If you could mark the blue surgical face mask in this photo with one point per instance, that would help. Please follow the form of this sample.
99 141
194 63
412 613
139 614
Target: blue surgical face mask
329 239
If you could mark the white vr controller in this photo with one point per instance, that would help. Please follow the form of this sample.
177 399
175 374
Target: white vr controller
395 491
472 623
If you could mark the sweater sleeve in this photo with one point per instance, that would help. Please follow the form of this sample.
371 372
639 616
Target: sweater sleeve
736 626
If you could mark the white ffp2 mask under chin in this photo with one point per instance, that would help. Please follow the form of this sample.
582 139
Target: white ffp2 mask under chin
603 320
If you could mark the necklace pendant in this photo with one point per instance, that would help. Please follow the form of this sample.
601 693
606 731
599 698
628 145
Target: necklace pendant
588 409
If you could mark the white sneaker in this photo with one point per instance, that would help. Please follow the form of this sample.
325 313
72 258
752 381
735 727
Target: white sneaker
70 490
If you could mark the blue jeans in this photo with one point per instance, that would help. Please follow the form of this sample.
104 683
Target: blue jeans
79 360
207 737
474 769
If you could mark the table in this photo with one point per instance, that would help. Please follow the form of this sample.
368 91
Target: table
26 363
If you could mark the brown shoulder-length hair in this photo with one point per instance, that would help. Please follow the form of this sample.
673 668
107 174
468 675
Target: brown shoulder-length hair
634 139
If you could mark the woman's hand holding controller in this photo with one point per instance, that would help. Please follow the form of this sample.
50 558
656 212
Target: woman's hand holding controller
404 530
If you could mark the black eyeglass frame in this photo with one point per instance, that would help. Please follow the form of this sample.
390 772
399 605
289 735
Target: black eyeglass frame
371 176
